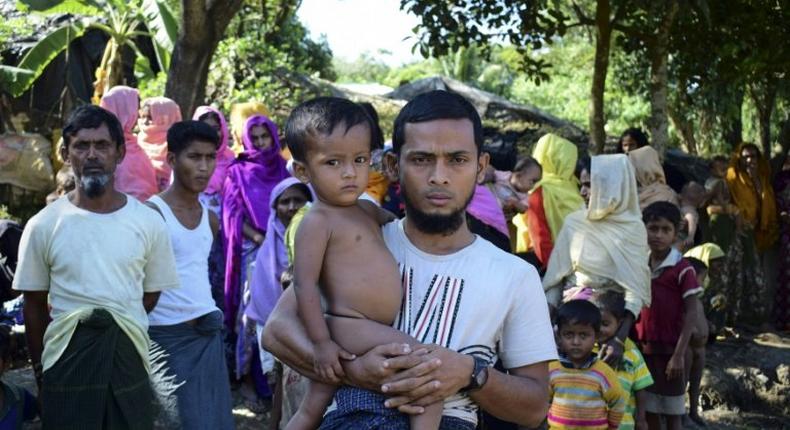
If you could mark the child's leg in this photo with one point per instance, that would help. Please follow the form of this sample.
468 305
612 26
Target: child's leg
695 380
312 408
359 335
674 422
428 420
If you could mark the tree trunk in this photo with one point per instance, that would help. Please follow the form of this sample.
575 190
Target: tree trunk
764 96
658 50
733 120
203 24
603 37
686 128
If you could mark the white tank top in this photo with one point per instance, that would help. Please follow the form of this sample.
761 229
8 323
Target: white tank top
191 249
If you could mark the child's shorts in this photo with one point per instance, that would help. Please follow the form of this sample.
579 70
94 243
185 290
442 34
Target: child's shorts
664 405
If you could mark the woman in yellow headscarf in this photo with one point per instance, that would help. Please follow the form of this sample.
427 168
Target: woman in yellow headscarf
749 180
555 196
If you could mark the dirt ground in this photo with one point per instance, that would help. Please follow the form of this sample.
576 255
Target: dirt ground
746 385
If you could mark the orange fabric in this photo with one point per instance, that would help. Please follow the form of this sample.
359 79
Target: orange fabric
539 231
757 210
377 186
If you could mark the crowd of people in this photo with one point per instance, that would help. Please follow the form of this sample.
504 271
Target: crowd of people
347 282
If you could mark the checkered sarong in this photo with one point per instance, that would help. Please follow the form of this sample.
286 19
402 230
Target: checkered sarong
360 409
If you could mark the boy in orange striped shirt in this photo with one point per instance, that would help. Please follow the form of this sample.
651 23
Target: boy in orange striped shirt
584 392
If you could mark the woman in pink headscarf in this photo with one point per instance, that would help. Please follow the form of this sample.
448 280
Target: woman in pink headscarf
212 197
135 175
157 114
245 214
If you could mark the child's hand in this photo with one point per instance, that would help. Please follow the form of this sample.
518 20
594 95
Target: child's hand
326 356
675 367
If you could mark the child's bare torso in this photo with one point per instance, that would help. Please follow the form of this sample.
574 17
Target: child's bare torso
359 277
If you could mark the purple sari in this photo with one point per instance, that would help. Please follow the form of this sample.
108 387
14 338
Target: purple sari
245 197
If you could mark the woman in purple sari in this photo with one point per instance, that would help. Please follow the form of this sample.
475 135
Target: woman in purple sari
245 213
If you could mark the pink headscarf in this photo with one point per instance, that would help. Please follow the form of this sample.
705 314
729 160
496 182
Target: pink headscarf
245 197
224 155
153 137
485 207
135 175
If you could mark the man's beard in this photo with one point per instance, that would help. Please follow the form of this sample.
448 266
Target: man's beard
443 224
94 185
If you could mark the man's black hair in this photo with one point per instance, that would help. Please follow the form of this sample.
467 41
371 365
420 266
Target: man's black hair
635 133
432 106
181 134
610 301
378 135
662 210
579 312
698 265
525 163
92 116
321 116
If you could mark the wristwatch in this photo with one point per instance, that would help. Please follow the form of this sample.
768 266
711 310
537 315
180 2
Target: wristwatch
479 375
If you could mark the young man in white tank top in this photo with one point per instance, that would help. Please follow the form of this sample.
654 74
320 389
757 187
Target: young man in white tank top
186 323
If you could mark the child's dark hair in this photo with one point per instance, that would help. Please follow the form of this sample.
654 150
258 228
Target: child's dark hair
698 265
378 135
719 159
5 344
662 210
287 277
321 116
610 301
92 116
579 312
435 105
525 163
181 134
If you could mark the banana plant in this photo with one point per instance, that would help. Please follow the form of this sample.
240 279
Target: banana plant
122 21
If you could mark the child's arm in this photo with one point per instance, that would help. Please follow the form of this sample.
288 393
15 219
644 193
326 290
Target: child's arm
691 221
311 242
640 417
251 233
381 215
675 366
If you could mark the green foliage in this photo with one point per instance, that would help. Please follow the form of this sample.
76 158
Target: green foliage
252 65
118 18
17 80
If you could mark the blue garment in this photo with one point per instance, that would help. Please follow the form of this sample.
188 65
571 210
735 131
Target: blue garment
196 357
360 409
18 406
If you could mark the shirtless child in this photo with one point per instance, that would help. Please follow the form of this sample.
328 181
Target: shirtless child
340 253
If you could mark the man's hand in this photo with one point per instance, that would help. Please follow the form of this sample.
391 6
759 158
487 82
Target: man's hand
327 356
378 365
443 373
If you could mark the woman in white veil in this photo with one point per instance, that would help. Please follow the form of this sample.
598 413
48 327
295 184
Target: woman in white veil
604 247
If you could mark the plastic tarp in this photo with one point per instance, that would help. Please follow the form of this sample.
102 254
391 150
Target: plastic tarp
25 161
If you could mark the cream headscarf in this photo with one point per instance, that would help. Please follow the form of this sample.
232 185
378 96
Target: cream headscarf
650 177
561 195
607 240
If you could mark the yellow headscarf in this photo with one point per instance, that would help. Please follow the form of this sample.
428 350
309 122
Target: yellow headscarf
561 195
705 253
239 113
753 206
